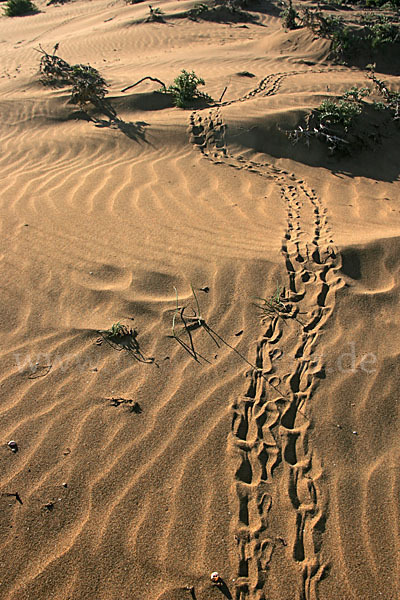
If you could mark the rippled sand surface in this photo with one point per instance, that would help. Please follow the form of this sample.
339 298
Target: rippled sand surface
263 442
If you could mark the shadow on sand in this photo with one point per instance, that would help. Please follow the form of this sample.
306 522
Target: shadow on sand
133 130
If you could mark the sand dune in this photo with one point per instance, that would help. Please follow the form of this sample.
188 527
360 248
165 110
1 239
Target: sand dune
262 445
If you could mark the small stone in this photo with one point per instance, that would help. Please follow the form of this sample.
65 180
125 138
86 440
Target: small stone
355 432
13 446
65 485
216 579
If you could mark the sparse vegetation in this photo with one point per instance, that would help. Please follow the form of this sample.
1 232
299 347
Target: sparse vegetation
117 330
155 14
368 3
289 16
391 100
368 34
185 89
87 83
274 305
53 69
198 10
356 94
341 112
57 2
347 124
216 10
19 8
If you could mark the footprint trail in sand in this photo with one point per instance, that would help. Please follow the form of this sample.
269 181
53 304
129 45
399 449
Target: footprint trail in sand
280 504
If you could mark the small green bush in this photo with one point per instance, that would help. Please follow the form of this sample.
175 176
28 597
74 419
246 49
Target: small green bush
117 330
185 89
87 85
370 33
341 112
155 14
19 8
356 94
349 123
368 3
289 16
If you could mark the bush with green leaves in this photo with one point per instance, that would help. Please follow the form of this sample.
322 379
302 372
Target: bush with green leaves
334 122
342 112
87 83
381 33
368 3
53 69
19 8
391 99
221 10
289 15
198 10
185 89
369 34
356 94
155 14
320 23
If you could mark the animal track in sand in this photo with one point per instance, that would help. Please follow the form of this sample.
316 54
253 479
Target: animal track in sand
277 474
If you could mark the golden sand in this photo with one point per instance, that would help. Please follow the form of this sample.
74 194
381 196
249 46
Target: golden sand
266 449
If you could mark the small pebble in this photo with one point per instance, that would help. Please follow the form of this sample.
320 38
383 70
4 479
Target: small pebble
65 485
13 446
355 432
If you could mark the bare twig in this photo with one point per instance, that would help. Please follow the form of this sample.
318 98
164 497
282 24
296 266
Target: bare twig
223 94
143 79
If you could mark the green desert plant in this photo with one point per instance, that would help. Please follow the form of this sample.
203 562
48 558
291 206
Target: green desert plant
289 15
320 23
19 8
370 33
53 69
334 122
155 14
274 304
391 99
185 89
341 112
198 10
87 83
220 10
117 330
368 3
356 94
